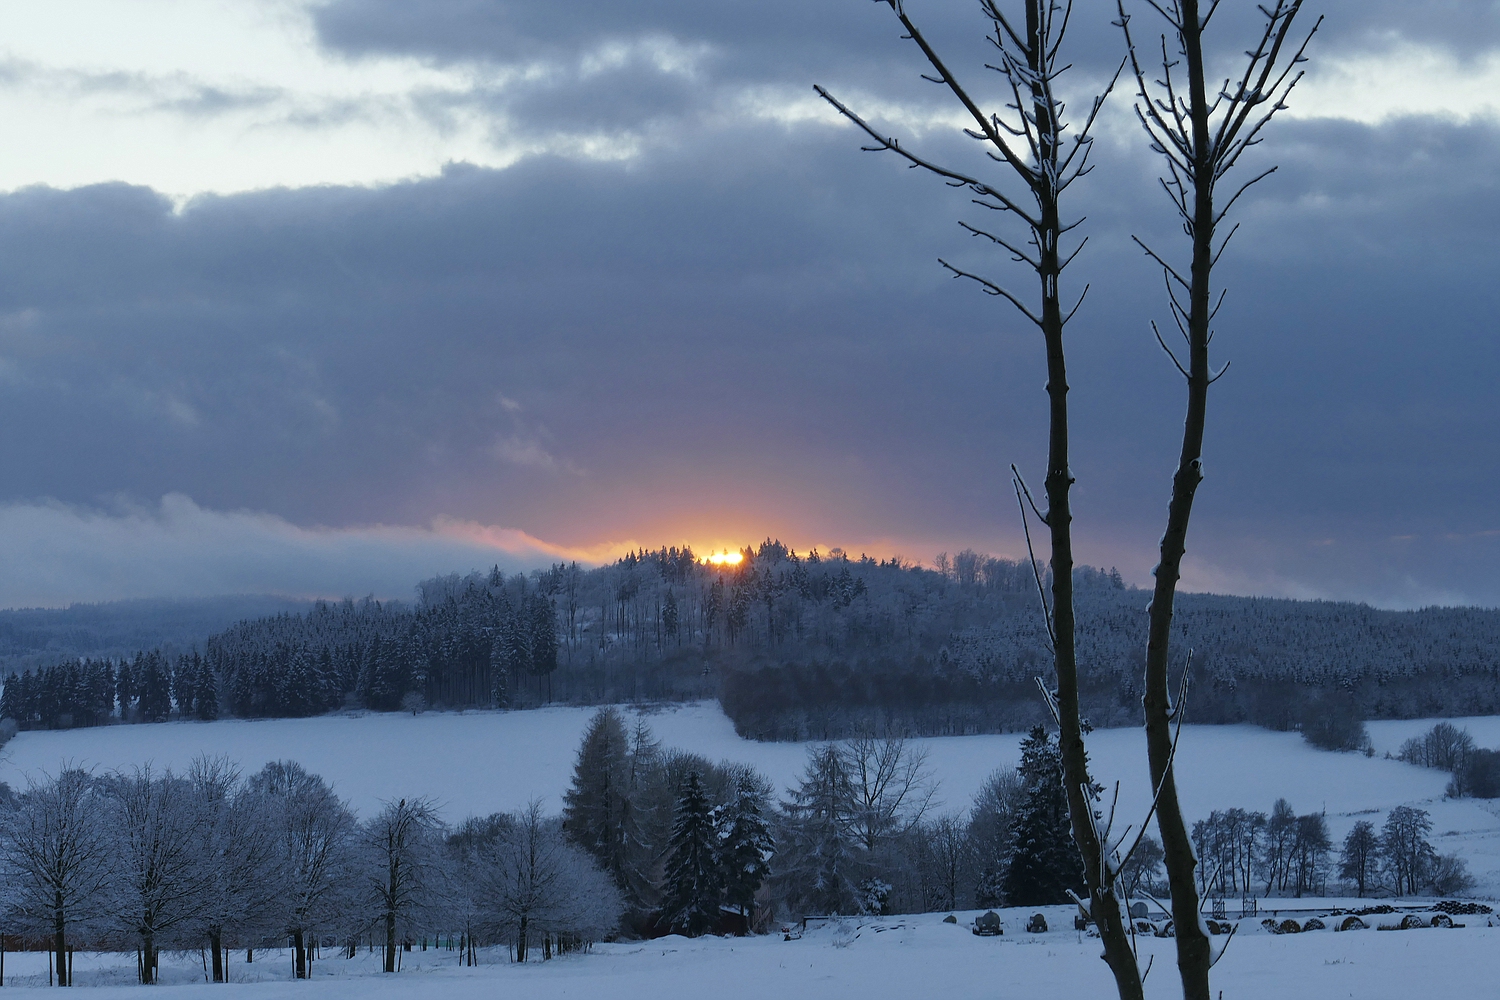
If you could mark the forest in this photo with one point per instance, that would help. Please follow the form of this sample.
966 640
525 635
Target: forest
794 646
650 841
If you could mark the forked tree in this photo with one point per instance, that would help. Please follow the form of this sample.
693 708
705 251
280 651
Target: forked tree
1038 156
1202 136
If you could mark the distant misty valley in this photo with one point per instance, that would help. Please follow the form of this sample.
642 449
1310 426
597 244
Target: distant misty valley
793 645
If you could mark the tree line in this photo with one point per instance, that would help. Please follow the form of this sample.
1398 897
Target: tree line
795 646
1446 747
146 859
1245 853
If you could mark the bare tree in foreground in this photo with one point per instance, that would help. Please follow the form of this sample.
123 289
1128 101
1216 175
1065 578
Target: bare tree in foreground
238 850
57 855
890 788
1028 139
157 824
404 864
535 882
314 832
1202 136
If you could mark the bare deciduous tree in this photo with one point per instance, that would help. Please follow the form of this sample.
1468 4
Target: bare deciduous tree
403 864
156 828
1202 135
313 830
238 850
537 882
56 851
890 788
1029 139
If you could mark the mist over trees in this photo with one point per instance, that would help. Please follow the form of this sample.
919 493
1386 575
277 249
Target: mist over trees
795 646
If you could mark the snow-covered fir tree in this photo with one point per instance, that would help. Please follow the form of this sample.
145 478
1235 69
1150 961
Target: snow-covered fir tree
819 868
1042 864
693 888
745 849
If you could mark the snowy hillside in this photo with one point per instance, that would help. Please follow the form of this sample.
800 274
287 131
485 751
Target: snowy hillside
482 762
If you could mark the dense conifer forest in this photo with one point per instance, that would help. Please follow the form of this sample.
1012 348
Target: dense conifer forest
795 646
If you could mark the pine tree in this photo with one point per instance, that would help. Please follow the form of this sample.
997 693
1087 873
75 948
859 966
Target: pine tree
155 685
206 698
745 850
515 642
819 866
10 702
1042 864
125 689
669 622
690 897
383 680
499 676
298 686
542 620
597 811
185 683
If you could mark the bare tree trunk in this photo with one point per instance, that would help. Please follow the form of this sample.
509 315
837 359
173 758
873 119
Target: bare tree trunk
148 950
59 944
1201 137
299 951
1193 947
216 945
390 941
1035 154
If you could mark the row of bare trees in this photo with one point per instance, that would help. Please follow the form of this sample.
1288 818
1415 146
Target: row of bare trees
1201 128
146 859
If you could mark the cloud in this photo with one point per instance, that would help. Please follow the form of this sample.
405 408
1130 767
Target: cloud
685 279
56 554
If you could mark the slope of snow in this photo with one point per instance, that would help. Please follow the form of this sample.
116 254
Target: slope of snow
482 762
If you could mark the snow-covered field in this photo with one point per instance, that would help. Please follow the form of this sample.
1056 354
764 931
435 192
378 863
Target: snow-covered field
891 957
482 762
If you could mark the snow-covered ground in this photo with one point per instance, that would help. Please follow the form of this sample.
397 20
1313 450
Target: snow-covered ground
482 762
893 957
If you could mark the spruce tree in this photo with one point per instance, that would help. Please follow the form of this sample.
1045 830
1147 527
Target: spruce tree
745 850
1042 864
155 686
669 616
597 808
185 683
499 676
10 702
125 689
206 699
690 897
819 866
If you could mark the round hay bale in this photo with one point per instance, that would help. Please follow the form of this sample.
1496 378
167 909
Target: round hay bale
1289 926
1442 920
1352 924
1313 924
1411 921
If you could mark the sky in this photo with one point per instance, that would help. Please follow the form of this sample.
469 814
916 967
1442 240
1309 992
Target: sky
322 298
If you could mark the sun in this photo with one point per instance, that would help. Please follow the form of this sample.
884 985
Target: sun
725 558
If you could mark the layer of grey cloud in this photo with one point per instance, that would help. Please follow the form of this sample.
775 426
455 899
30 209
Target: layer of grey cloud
56 554
743 323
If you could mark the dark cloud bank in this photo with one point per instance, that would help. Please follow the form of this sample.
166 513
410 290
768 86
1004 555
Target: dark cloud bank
743 324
